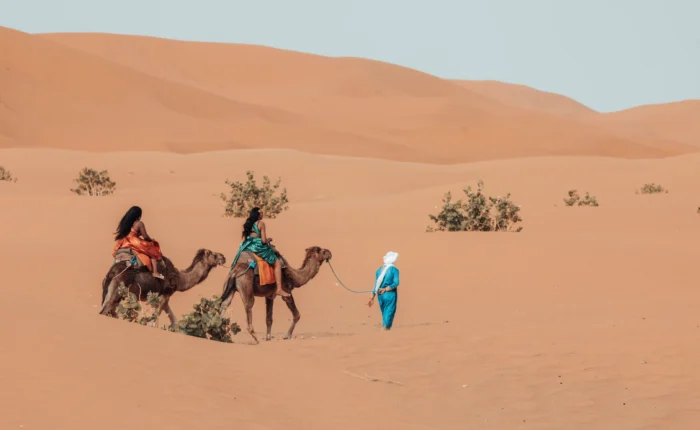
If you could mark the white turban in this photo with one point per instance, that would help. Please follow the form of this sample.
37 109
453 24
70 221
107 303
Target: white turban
390 258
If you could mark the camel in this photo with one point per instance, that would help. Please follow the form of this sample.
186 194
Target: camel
243 279
140 281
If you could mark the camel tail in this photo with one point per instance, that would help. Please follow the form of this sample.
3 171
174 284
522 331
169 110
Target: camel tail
229 288
105 286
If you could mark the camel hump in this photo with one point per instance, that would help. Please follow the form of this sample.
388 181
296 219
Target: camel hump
249 255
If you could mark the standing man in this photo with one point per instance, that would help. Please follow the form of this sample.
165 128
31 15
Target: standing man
385 284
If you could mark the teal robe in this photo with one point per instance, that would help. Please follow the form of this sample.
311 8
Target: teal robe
256 246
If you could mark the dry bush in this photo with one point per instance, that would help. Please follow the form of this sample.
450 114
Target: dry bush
651 188
478 213
5 175
130 309
576 200
244 197
206 322
93 183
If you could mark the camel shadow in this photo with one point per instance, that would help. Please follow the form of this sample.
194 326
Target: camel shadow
278 337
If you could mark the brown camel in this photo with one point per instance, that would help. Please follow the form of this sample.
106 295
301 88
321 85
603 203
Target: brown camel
140 281
246 282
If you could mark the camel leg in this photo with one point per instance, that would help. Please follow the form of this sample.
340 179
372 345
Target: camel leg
109 302
248 303
171 315
225 304
295 315
165 306
268 319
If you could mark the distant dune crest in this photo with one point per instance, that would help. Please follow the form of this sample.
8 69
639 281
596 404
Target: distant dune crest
103 92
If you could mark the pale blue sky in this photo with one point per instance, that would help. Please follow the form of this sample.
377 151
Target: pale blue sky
607 54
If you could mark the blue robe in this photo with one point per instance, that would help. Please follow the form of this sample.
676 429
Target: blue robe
387 301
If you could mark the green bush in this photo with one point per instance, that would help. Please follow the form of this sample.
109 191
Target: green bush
130 309
575 199
245 196
478 213
93 183
206 322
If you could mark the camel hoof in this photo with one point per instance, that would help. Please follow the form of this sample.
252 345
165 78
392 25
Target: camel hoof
255 339
287 337
268 337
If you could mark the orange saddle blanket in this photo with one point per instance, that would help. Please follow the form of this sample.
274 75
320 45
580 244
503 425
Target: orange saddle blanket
266 271
143 249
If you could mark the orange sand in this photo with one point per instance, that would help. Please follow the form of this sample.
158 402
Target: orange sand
585 320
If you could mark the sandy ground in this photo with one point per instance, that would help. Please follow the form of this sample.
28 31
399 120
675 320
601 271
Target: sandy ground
587 319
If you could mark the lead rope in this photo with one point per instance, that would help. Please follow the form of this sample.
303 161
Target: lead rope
343 285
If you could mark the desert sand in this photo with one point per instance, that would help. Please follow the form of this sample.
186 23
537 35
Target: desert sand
587 319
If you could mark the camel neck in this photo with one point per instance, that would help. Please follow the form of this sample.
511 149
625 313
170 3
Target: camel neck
190 278
304 274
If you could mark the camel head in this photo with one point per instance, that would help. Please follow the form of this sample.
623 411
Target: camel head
210 258
319 254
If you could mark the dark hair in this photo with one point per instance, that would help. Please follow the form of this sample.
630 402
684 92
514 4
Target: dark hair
253 217
128 220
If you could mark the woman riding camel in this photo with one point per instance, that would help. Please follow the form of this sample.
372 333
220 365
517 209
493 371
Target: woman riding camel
131 233
255 240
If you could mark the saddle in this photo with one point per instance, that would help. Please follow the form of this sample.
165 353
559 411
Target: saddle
128 255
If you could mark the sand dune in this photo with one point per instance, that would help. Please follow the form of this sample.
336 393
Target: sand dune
679 121
85 102
139 93
587 319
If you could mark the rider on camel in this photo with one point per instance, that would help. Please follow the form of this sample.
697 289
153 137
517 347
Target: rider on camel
255 240
131 234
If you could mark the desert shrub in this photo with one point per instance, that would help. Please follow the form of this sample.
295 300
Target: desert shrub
478 213
206 322
652 188
5 175
588 200
244 197
130 309
93 183
575 200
